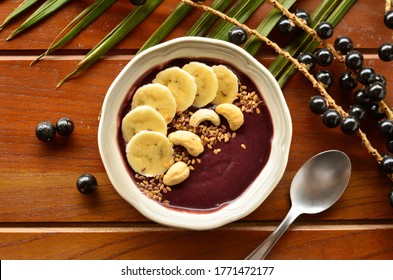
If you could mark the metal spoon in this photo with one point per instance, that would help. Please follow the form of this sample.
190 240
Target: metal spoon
316 186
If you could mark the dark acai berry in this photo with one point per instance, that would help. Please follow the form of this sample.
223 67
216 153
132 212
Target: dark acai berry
325 77
354 60
86 184
376 91
385 52
343 45
390 197
387 164
237 35
285 25
318 104
45 131
324 30
379 78
376 111
307 60
324 57
304 15
331 118
361 97
366 75
347 81
64 126
388 19
389 145
357 111
139 2
350 125
385 128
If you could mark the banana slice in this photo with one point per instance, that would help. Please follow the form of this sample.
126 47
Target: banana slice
227 85
232 113
206 81
202 115
181 84
142 118
188 140
150 153
157 96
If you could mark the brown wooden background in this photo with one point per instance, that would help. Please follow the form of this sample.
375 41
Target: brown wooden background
43 216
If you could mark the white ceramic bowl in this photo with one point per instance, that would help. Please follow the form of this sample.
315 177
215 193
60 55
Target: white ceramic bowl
195 47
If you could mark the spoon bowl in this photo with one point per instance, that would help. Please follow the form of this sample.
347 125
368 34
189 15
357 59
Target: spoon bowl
318 184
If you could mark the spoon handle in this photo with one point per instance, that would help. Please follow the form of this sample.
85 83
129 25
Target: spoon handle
264 248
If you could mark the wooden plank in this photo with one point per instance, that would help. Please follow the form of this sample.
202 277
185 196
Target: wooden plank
233 242
366 34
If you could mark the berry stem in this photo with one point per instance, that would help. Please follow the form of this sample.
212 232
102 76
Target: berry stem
313 33
366 143
388 5
301 24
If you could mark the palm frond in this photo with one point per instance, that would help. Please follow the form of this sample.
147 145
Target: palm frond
46 9
203 24
181 10
133 19
241 11
332 11
19 10
84 19
253 44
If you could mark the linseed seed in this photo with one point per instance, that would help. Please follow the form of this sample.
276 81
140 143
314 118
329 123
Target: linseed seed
243 146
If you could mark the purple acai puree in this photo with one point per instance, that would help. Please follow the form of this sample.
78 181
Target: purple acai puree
223 177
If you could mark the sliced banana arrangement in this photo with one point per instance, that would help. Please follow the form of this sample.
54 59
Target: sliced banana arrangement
150 153
228 85
142 118
206 81
157 96
205 94
181 84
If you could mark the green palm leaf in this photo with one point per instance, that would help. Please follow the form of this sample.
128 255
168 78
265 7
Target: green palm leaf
203 24
333 12
181 10
253 44
84 19
42 12
133 19
241 11
19 10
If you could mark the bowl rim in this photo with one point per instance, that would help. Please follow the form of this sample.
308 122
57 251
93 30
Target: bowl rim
235 210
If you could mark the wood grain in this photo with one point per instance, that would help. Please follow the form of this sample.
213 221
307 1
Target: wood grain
39 203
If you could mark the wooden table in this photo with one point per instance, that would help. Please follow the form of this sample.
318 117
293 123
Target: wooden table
43 216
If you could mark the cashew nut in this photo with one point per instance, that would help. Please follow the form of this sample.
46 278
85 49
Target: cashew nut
232 113
176 174
204 115
188 140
